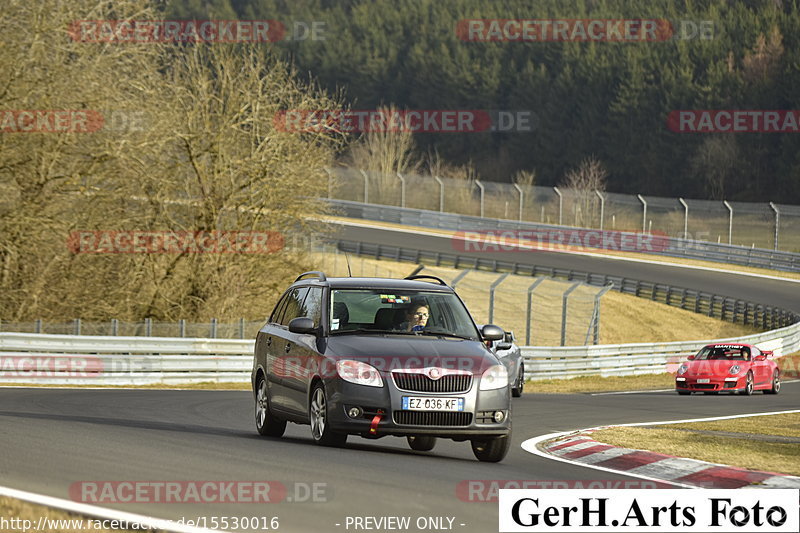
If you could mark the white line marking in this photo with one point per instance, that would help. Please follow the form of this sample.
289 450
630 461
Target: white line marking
452 235
532 445
629 392
101 512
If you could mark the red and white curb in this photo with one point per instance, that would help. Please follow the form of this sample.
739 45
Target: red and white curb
577 447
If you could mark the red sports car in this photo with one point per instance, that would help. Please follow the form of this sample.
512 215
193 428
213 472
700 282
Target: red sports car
740 368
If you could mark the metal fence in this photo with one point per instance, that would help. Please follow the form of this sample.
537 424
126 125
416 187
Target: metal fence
752 225
63 359
241 329
556 362
735 310
671 247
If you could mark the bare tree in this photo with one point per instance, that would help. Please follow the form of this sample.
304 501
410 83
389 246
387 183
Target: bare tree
582 182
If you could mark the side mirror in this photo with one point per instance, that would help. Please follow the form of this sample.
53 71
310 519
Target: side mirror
504 346
492 333
690 358
761 357
301 324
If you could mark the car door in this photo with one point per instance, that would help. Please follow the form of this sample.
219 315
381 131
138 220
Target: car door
760 368
280 366
301 354
266 342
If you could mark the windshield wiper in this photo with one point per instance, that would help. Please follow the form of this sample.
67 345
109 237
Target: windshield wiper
444 334
365 330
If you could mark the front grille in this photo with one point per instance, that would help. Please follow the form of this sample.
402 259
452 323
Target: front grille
709 386
432 418
421 383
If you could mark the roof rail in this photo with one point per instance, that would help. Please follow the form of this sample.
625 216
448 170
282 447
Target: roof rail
317 273
423 276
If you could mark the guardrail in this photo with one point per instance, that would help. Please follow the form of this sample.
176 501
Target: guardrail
710 304
104 360
556 362
676 247
96 360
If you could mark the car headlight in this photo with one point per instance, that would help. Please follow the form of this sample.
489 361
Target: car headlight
734 369
358 373
495 377
683 369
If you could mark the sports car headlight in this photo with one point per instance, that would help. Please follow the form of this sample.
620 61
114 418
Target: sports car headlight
495 377
734 369
358 373
683 369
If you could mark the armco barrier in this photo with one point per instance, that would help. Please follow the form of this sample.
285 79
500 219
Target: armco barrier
555 362
686 248
94 360
713 305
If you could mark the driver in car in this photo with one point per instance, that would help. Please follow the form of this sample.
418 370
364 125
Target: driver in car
416 318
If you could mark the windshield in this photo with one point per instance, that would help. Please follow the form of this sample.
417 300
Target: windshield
737 353
400 311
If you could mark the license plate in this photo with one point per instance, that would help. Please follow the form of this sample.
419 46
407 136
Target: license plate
419 403
703 380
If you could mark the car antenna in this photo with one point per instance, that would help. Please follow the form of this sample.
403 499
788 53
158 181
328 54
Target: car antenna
347 258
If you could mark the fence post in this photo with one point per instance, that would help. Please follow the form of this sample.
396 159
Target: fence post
480 186
441 193
213 328
241 328
114 327
38 327
777 222
730 221
458 278
519 190
330 184
182 328
564 313
528 313
77 326
560 206
148 327
594 325
685 218
402 190
366 187
644 212
492 288
602 207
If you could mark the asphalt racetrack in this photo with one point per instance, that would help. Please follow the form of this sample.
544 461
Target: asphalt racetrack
780 293
52 439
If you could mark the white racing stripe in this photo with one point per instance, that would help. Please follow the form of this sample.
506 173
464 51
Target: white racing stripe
452 235
532 446
101 512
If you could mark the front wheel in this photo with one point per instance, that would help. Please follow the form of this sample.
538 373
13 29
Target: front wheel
491 450
776 383
266 423
748 385
516 392
421 443
318 415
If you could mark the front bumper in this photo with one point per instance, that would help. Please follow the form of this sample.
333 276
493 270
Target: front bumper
713 384
474 421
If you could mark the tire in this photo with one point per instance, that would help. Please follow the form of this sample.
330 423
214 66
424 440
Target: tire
517 391
421 443
776 383
267 424
684 392
491 450
318 415
748 387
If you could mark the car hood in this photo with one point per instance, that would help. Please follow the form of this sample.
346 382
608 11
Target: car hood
397 352
713 367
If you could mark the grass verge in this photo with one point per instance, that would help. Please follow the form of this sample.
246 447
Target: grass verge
745 444
55 520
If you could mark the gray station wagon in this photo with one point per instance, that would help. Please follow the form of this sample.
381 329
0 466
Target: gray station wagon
376 357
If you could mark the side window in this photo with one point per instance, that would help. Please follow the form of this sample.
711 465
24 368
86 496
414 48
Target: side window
294 305
275 317
312 306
